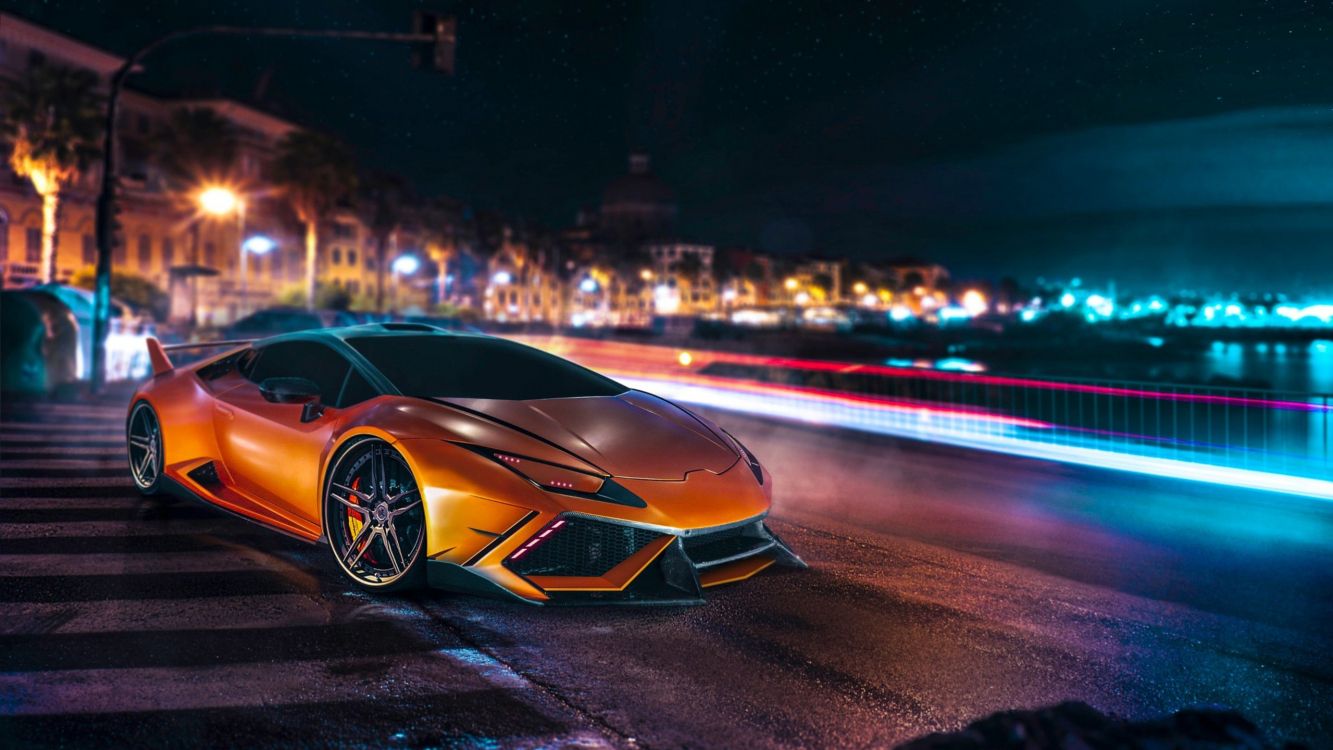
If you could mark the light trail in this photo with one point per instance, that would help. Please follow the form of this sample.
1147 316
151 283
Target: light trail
667 359
966 431
662 370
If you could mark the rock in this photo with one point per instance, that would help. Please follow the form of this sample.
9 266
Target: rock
1078 726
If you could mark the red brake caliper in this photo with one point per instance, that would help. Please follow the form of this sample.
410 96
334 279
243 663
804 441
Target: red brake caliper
355 521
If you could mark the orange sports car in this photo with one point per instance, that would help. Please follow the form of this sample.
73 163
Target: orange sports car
463 461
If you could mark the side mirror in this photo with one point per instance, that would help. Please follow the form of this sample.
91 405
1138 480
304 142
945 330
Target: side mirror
294 391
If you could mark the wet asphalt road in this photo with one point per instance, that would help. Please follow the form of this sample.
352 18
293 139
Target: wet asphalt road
944 585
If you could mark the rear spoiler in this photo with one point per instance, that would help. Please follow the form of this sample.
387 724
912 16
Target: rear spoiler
157 353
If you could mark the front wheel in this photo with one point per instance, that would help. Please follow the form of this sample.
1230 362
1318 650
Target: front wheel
374 518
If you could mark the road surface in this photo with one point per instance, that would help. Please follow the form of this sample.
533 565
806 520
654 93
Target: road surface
944 585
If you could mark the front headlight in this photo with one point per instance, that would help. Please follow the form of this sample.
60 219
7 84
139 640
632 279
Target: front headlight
753 462
562 479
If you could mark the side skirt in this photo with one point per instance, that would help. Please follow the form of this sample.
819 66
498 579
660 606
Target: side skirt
174 488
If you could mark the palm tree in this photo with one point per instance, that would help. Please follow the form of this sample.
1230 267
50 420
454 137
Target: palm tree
53 121
316 172
195 147
383 202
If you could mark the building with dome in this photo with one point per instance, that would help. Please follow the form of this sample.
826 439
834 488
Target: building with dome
638 206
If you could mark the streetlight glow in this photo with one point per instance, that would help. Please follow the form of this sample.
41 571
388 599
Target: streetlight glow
218 201
406 265
259 245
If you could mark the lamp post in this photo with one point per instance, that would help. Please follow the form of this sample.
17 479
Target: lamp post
403 265
436 36
220 201
258 245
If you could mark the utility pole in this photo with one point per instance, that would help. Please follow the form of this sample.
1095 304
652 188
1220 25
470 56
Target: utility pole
435 36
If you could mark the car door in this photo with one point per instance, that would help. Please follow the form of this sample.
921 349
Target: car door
271 454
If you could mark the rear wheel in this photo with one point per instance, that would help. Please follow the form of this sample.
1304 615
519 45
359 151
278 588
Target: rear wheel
143 436
374 518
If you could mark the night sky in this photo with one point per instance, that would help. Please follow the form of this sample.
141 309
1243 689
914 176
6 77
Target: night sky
1159 143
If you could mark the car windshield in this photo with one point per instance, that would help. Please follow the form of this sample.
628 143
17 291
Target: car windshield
477 367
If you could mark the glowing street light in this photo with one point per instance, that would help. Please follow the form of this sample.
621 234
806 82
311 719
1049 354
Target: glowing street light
218 200
791 284
588 285
406 265
259 245
501 278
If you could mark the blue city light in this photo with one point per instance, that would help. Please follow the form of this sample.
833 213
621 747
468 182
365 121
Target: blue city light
258 244
406 265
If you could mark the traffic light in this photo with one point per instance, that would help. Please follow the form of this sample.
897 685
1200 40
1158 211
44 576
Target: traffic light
439 52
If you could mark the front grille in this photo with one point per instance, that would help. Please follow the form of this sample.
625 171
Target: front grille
722 545
582 547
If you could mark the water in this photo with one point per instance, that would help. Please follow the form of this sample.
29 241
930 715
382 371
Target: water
1299 367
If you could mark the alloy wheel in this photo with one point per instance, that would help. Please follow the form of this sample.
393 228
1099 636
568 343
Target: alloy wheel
373 514
144 445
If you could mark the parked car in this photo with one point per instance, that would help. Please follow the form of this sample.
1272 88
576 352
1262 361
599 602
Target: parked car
275 320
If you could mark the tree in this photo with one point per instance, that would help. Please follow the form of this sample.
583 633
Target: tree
195 147
383 202
316 172
53 121
132 289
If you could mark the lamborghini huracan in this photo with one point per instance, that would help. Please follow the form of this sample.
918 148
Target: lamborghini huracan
456 460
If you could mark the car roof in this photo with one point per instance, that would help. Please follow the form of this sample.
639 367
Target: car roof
342 333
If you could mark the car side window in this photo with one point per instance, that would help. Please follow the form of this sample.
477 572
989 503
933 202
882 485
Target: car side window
311 360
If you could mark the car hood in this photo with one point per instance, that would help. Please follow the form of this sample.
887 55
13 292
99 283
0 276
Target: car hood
633 435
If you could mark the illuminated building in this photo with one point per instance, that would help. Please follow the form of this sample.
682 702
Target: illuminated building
165 237
520 286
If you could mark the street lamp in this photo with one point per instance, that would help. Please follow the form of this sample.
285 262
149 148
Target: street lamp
403 265
218 200
436 34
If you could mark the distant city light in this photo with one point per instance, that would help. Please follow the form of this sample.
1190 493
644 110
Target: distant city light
406 265
500 278
258 244
588 285
1067 299
953 313
791 284
685 358
974 302
900 313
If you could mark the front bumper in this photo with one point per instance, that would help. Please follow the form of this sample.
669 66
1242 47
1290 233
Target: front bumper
595 560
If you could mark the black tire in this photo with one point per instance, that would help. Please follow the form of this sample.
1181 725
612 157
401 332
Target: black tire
374 517
143 448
